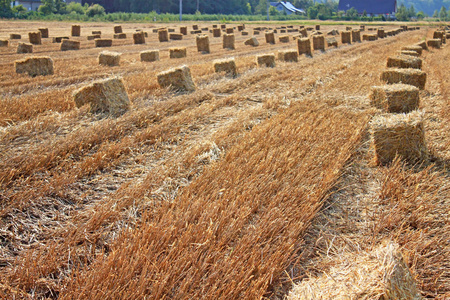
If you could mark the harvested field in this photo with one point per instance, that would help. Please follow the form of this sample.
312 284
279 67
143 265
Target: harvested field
205 186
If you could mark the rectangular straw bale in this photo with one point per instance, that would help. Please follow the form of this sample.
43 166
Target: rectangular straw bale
434 43
413 77
255 32
223 26
284 39
378 274
228 41
362 27
178 79
370 37
404 62
303 32
118 29
184 30
304 46
288 55
44 32
346 37
317 27
356 36
163 35
139 38
175 36
196 32
226 65
58 39
415 48
120 36
103 43
244 32
381 34
229 30
267 60
177 52
35 38
195 27
252 42
270 38
67 45
15 36
399 134
25 48
170 30
202 42
241 27
104 96
217 32
333 32
4 43
93 37
149 55
438 34
76 30
319 42
410 53
395 98
109 58
332 42
35 66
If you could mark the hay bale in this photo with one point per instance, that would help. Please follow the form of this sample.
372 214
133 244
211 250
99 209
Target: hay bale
58 39
404 62
244 32
226 65
319 42
196 32
252 42
15 36
395 98
317 27
178 79
241 27
104 96
176 36
96 32
35 66
379 274
333 32
415 48
67 45
177 52
171 30
150 55
399 134
228 41
332 42
184 30
108 58
4 43
413 77
255 32
380 33
346 37
163 35
409 53
284 39
348 28
25 48
35 38
229 30
356 36
304 46
195 27
288 55
202 43
120 36
362 27
76 30
223 26
270 37
217 32
44 32
139 38
93 37
434 43
370 37
267 60
438 34
118 29
99 43
303 32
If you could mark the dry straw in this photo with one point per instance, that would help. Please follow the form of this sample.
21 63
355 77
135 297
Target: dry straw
217 32
93 37
332 42
108 58
395 98
319 42
380 33
370 37
400 135
333 32
104 96
58 39
270 37
228 41
255 32
438 34
76 30
356 36
15 36
99 43
44 32
202 42
284 39
120 36
288 55
413 77
434 43
35 66
139 38
178 79
409 53
226 65
252 42
67 45
149 55
304 46
346 37
35 38
380 274
24 48
404 62
4 43
177 52
229 30
267 60
118 29
415 48
176 36
95 32
163 35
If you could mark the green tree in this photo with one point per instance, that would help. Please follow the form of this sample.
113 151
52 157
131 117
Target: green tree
364 14
261 8
312 12
402 13
421 15
75 8
443 14
412 12
352 13
60 6
5 9
436 14
47 7
94 10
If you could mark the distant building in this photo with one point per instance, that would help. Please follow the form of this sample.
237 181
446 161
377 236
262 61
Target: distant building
286 7
34 4
371 7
